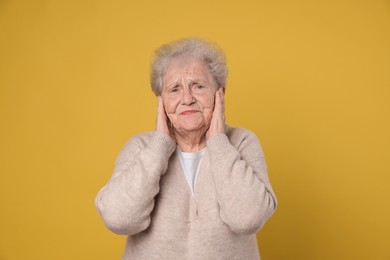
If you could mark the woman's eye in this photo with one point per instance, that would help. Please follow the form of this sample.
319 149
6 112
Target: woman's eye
200 86
173 90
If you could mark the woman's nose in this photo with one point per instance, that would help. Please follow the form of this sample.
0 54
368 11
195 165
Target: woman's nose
187 97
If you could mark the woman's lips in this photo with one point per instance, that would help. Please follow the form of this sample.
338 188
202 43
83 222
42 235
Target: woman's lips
188 112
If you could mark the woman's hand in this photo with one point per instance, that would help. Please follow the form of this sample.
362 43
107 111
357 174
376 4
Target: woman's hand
162 124
217 125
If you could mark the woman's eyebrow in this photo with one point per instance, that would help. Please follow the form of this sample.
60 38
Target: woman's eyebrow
178 83
173 84
195 82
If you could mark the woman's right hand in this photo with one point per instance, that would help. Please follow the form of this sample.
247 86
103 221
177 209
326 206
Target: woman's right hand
162 122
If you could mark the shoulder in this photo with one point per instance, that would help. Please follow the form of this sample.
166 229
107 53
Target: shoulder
141 139
137 141
152 141
241 138
134 145
238 134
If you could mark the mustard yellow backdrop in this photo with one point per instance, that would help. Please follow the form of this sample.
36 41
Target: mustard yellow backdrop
310 78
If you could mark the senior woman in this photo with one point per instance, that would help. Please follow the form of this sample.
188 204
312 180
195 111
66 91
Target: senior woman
194 188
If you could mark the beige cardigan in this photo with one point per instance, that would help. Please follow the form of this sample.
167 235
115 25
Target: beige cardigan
149 200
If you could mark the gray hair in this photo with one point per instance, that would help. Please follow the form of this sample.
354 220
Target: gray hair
196 48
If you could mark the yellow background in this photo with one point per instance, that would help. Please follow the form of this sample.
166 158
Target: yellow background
310 78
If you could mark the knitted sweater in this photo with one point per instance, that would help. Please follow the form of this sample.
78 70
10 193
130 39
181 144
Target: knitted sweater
148 199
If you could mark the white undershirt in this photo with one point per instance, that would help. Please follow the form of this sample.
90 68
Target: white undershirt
190 163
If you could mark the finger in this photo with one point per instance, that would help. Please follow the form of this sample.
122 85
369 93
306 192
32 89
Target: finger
159 103
161 109
222 103
161 117
222 96
218 101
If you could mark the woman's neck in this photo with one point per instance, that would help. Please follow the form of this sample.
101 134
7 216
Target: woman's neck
191 141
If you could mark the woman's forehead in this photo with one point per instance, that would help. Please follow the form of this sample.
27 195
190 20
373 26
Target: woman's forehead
190 70
186 63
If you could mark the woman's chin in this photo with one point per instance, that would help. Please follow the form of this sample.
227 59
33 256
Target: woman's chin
191 126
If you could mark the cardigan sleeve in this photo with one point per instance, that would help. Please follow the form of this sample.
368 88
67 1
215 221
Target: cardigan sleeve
126 201
244 193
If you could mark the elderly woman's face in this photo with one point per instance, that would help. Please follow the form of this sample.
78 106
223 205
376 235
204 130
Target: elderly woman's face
188 94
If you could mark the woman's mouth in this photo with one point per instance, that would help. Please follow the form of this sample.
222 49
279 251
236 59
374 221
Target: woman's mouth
188 112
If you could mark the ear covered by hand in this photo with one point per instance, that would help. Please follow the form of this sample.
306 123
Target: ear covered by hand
217 125
162 121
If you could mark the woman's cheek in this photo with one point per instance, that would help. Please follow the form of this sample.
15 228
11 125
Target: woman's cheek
169 105
208 115
210 101
172 118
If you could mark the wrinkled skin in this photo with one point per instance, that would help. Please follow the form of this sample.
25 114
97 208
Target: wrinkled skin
192 103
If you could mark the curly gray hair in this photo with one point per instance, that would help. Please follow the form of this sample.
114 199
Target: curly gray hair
196 48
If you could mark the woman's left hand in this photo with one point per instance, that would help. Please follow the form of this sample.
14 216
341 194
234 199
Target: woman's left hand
217 125
162 121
